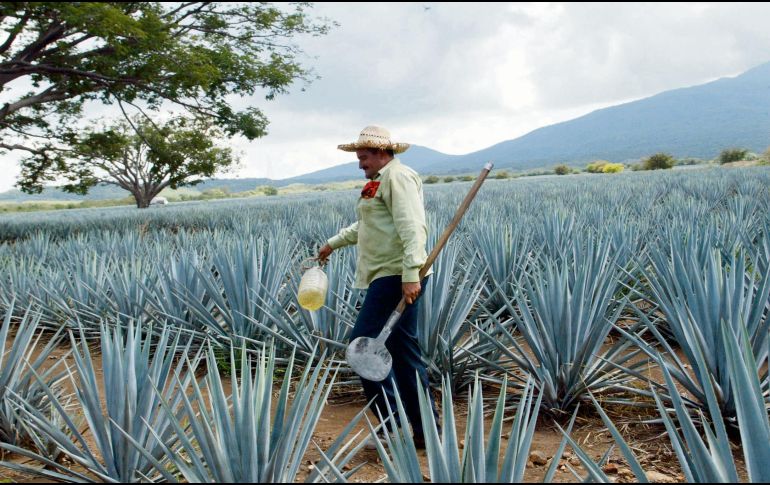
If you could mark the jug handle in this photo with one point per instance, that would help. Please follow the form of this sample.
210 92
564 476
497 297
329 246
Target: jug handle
304 266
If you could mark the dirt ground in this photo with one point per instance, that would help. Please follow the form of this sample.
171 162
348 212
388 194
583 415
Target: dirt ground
589 432
649 442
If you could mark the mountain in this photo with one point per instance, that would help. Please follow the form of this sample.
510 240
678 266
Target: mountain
417 157
97 193
102 192
698 121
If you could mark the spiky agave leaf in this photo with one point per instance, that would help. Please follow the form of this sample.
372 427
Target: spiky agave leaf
505 250
697 294
249 269
705 452
446 303
564 311
25 374
479 461
135 363
242 435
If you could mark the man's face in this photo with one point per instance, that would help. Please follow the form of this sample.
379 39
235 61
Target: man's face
371 161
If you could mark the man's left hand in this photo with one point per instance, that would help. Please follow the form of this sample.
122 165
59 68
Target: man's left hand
411 291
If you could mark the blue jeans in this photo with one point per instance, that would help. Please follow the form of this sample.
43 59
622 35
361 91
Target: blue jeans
381 299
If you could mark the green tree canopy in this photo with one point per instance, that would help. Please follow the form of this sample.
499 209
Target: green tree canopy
613 168
139 55
144 158
733 155
659 161
596 166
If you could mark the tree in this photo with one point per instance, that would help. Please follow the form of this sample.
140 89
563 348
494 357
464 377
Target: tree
613 168
562 169
596 166
659 161
140 56
144 158
733 155
270 190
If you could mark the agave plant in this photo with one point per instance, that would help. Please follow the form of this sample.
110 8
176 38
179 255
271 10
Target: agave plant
127 286
696 297
763 250
564 311
25 374
556 234
450 296
179 289
79 293
705 452
137 370
20 284
505 251
480 460
249 270
241 435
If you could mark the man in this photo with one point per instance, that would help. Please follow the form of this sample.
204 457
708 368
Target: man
391 234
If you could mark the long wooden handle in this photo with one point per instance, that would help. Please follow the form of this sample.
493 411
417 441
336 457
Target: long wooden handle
455 220
450 228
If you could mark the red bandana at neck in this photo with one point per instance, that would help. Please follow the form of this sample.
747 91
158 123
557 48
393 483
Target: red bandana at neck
370 190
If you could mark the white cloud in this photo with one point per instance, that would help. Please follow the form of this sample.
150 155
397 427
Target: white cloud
459 77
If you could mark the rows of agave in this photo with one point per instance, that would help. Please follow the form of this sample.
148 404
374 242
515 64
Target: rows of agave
674 266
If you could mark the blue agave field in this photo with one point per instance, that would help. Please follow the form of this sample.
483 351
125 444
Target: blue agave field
555 293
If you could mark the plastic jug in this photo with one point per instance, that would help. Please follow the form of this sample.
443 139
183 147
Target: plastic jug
312 289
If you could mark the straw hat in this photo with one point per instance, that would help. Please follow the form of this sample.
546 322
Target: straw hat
374 137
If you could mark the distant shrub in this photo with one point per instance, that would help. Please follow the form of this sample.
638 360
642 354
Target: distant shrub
449 179
752 157
596 166
217 193
535 173
270 190
732 155
562 169
613 168
431 179
466 178
765 158
659 161
502 174
690 161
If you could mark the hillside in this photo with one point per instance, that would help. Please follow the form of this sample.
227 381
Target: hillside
697 121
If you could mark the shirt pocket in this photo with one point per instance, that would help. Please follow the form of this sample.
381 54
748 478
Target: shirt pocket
369 207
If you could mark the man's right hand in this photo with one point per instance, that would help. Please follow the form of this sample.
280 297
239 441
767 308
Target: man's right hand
324 252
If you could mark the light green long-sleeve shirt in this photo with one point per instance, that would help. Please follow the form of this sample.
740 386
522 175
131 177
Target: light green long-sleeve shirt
391 232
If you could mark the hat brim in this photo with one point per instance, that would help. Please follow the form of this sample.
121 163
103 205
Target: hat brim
396 147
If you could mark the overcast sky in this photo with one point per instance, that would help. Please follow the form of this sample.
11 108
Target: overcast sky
460 77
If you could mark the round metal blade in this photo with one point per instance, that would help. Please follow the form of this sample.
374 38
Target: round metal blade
368 359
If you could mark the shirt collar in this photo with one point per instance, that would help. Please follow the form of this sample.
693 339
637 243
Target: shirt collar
395 161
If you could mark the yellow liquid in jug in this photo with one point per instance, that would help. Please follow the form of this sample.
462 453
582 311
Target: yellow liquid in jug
311 299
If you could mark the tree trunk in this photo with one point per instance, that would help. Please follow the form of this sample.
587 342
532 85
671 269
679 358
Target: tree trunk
142 198
144 194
